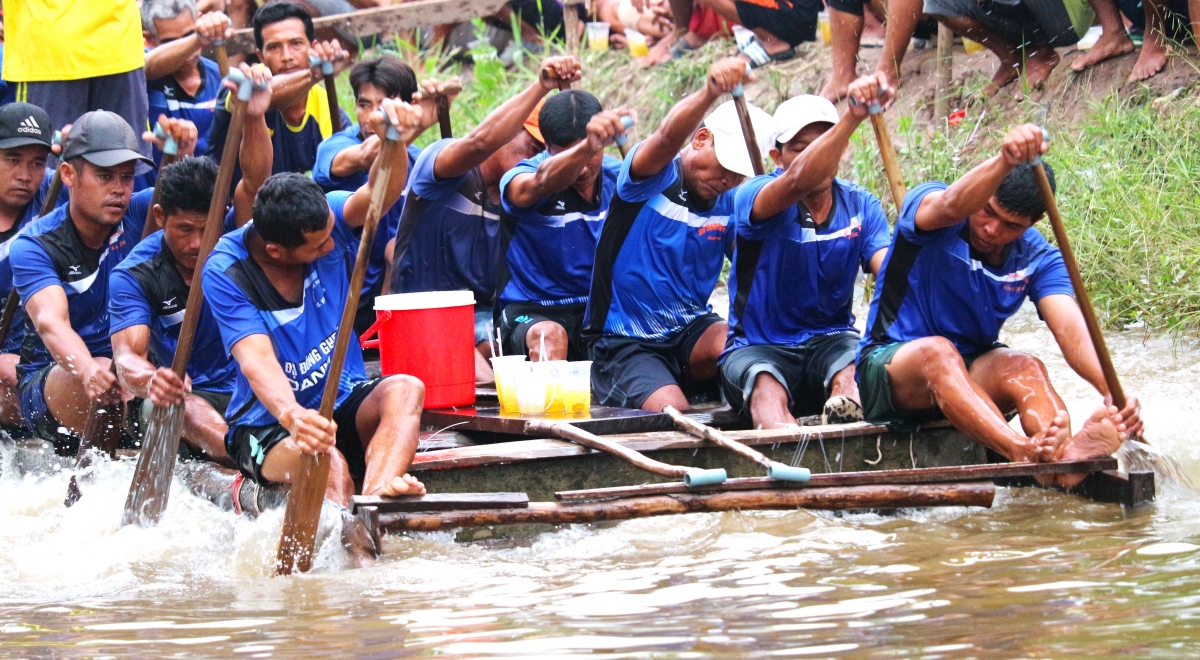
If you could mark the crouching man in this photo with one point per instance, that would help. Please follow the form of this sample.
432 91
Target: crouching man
277 288
963 260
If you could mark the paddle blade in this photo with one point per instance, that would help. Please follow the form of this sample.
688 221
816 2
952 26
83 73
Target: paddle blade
151 486
297 544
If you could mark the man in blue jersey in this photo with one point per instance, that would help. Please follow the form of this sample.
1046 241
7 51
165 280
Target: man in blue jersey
277 288
660 254
148 291
452 210
25 139
300 116
60 268
179 82
964 259
802 238
554 208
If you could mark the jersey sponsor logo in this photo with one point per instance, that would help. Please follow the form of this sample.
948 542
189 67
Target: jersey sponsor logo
29 125
169 303
561 205
75 270
713 231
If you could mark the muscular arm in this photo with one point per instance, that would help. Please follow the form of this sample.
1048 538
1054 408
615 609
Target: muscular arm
167 58
495 131
50 316
256 157
1065 320
877 261
555 174
815 165
256 360
290 88
129 352
407 119
355 158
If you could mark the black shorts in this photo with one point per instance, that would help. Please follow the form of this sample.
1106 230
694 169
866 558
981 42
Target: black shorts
848 6
31 392
805 371
793 21
518 318
249 445
626 371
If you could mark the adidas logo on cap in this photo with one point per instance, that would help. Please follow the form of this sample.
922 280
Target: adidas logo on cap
29 125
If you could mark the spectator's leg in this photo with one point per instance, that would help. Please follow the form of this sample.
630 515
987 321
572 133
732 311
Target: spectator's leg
902 18
728 10
65 101
124 94
1113 43
1154 43
845 32
1007 52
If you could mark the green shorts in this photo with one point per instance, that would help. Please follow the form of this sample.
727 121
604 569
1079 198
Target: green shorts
875 388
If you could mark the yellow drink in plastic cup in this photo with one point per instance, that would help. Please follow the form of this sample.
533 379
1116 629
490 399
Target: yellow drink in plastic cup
506 382
552 373
531 389
597 35
823 23
971 47
577 387
637 43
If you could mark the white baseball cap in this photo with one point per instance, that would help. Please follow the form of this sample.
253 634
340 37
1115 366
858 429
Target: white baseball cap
796 113
728 141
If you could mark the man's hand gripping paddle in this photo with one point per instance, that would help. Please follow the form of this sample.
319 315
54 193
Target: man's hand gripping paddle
170 155
335 114
151 484
298 540
887 153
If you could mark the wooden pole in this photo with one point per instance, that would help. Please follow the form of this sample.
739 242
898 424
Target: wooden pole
891 166
222 58
835 498
443 113
743 112
1081 295
945 71
691 476
151 485
296 544
775 469
335 110
571 27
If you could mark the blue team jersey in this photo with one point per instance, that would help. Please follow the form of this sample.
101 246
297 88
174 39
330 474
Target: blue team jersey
244 303
659 256
147 289
50 252
168 98
933 284
16 332
455 242
792 279
551 245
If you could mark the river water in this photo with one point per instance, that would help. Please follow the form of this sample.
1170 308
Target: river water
1040 574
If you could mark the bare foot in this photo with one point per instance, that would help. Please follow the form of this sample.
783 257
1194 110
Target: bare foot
405 484
1038 65
1151 60
1007 73
835 89
1109 46
1048 445
1100 436
356 539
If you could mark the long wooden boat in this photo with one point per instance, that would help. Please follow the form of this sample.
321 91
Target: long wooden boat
486 469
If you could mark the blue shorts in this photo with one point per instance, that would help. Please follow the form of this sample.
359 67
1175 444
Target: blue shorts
31 389
484 329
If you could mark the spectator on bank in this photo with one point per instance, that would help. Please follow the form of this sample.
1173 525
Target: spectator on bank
1022 34
182 84
95 63
779 25
846 21
1162 22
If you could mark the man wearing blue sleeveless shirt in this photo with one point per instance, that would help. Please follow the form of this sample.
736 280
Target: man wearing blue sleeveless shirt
802 238
554 208
148 291
451 218
964 259
61 265
25 139
661 252
179 82
277 288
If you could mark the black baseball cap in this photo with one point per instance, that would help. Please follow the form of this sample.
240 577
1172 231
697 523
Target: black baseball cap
22 124
104 139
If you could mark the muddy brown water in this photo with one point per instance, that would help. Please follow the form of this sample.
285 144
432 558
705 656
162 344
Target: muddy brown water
1039 575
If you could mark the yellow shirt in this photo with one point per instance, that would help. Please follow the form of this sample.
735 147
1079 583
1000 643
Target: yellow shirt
71 39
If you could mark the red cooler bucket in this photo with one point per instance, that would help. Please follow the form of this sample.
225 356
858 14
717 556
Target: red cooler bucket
431 336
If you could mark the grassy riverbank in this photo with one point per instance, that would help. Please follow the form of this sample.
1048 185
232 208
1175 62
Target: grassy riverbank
1128 165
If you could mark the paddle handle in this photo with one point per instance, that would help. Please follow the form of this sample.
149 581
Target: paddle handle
298 540
891 167
222 58
443 114
335 114
52 193
1081 295
743 113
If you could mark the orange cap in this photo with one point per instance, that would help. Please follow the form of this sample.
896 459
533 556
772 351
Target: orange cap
531 123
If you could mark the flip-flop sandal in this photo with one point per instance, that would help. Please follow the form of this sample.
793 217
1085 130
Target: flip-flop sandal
681 47
784 55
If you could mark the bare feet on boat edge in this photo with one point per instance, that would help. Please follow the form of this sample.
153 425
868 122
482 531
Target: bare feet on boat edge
405 484
1150 61
1109 46
1100 436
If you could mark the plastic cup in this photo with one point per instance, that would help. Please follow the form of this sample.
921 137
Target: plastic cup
823 23
551 371
531 389
577 387
637 43
597 34
506 383
971 47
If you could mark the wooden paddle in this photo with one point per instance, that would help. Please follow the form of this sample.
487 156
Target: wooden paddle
775 469
296 544
1081 295
222 57
691 476
151 486
13 301
887 152
170 155
102 432
743 112
335 114
442 101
